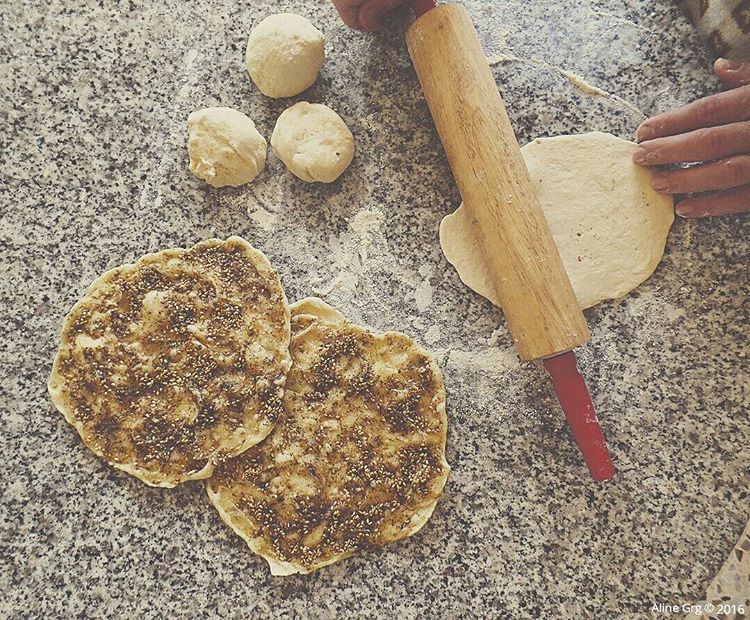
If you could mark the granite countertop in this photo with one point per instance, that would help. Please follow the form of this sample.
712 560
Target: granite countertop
94 173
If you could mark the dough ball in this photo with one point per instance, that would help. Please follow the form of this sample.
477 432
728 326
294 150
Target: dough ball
313 142
284 54
224 146
609 224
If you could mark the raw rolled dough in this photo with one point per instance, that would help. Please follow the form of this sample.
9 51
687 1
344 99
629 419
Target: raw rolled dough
609 225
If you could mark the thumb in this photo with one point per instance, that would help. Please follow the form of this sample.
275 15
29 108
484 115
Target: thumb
349 12
732 72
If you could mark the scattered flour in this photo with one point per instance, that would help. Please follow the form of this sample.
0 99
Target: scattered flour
262 217
433 334
589 89
423 294
623 22
349 253
491 360
576 80
342 253
364 224
485 370
151 192
495 336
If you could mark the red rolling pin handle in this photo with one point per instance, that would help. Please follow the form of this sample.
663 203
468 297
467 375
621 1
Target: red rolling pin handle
574 397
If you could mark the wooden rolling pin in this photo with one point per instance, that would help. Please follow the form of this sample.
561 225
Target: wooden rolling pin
537 299
540 307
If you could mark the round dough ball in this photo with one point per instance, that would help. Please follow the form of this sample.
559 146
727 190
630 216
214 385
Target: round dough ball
313 142
224 146
284 54
609 224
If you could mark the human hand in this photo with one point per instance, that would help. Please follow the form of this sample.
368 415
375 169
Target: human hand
715 130
364 14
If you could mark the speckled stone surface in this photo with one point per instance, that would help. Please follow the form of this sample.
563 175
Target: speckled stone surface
93 101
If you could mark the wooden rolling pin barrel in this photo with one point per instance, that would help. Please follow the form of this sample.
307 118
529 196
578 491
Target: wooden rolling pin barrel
540 307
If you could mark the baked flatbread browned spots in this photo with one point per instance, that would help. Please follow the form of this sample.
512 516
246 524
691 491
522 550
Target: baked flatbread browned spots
357 457
174 362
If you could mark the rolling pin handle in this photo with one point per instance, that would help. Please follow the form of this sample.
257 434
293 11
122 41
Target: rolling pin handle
574 397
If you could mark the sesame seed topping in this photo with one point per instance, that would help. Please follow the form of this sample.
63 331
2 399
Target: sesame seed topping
356 453
166 361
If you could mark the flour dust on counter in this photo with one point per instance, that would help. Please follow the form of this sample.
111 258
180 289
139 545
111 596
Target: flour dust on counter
352 257
578 82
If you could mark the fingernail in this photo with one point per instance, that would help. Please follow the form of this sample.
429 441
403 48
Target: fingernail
728 65
685 211
643 133
640 156
659 183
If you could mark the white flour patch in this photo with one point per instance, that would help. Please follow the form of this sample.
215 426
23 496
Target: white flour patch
262 217
349 254
494 337
433 334
490 361
423 294
151 194
650 309
342 253
364 224
623 22
485 370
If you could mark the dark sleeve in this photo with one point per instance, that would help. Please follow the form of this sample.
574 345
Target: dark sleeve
724 24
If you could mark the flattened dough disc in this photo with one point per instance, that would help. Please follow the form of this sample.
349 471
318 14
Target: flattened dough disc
609 225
